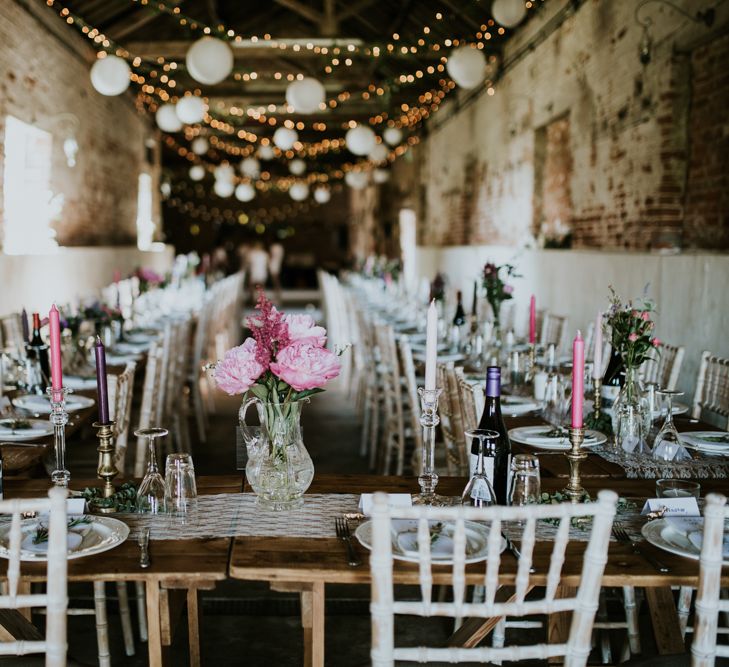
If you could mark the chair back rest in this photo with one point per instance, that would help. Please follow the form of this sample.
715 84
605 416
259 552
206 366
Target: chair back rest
709 604
55 599
121 390
472 402
451 417
583 604
712 387
411 388
151 395
554 329
664 366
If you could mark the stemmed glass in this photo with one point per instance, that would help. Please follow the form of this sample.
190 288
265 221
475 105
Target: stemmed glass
667 445
479 491
151 492
525 482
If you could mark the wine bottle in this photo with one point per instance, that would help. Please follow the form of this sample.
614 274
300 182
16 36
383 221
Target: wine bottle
613 379
460 317
37 349
492 420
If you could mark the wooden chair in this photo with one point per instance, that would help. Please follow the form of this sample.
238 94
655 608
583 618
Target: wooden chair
393 441
554 331
384 607
451 419
412 401
665 366
712 387
27 639
121 390
149 407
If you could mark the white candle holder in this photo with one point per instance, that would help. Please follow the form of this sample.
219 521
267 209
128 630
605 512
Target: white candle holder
429 420
59 418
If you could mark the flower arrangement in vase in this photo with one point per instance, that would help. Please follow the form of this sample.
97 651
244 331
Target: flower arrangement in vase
498 290
278 368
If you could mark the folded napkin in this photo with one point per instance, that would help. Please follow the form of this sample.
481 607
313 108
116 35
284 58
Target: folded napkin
393 500
696 538
441 545
543 440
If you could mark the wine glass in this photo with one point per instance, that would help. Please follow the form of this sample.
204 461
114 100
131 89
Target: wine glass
525 482
479 491
554 400
180 485
667 445
151 492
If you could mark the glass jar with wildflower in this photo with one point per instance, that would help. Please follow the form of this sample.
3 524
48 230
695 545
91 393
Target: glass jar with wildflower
498 290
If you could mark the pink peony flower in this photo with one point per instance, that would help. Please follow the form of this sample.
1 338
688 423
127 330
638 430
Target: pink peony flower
655 342
645 315
633 337
239 368
302 328
305 366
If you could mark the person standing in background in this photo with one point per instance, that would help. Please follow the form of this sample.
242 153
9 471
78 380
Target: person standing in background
275 263
256 263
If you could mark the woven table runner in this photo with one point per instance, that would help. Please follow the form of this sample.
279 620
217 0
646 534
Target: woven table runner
645 467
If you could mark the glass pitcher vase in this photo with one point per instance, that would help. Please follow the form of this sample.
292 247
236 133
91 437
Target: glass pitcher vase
279 467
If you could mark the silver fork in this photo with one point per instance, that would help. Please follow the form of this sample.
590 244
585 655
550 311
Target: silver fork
143 542
342 527
622 536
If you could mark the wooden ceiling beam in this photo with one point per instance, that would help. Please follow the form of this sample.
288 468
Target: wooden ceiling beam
302 10
127 26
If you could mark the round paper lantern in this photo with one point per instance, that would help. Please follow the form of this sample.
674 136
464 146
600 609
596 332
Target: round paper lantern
224 188
356 180
378 153
266 152
509 13
297 167
245 192
190 109
305 95
285 138
167 119
380 175
209 60
224 172
250 167
360 139
197 172
110 75
200 146
299 191
467 67
392 135
322 195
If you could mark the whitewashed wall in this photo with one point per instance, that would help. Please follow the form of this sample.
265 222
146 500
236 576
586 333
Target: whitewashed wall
34 282
690 290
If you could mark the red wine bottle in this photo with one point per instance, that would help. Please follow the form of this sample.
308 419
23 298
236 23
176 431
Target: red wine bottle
460 317
613 379
37 349
492 420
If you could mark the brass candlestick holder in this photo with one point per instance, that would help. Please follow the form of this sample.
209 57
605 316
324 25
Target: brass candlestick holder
106 469
574 490
532 362
597 419
597 395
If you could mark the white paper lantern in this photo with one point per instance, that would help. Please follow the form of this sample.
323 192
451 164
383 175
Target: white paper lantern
224 188
200 146
245 192
380 175
167 119
266 152
509 13
322 195
197 172
360 139
209 60
299 191
467 67
378 153
110 75
190 109
392 136
297 167
250 167
285 138
305 95
224 172
356 180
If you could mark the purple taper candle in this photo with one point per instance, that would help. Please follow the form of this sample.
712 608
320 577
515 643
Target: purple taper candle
24 324
102 390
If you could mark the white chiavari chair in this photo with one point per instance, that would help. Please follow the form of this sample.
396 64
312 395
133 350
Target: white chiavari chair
664 367
712 387
121 391
554 331
149 407
199 358
412 400
54 601
385 607
393 442
451 418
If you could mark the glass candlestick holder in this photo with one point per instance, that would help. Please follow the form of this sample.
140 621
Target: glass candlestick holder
428 478
59 418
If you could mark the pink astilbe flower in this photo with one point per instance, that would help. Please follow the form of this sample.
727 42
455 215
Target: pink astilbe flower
239 368
305 366
633 337
655 342
269 330
303 328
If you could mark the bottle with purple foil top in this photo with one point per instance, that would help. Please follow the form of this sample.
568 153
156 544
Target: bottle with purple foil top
492 420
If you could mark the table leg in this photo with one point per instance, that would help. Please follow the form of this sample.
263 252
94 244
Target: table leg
664 616
193 626
558 628
154 628
312 619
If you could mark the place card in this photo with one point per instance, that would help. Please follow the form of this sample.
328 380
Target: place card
673 506
74 506
393 500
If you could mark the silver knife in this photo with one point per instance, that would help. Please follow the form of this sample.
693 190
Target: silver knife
144 548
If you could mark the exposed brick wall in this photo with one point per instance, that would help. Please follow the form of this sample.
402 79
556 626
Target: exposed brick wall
552 195
44 71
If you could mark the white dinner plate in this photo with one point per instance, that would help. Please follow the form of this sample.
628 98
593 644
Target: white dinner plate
405 543
514 406
39 428
534 437
42 404
715 443
679 536
101 533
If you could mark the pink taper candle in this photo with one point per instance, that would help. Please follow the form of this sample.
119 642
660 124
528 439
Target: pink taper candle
431 346
597 361
532 320
54 324
578 379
